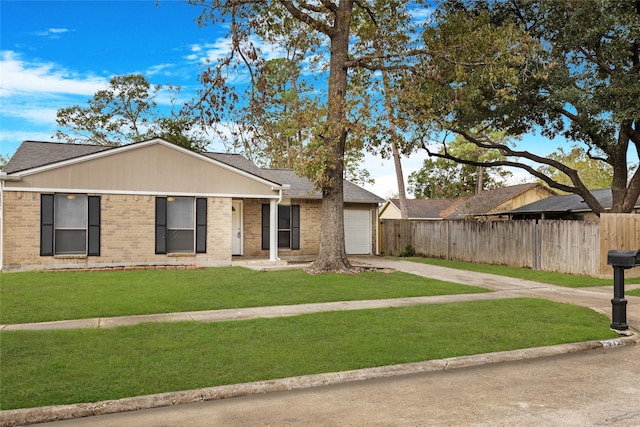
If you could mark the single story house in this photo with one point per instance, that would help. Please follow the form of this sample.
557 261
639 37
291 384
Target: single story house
568 206
156 203
486 204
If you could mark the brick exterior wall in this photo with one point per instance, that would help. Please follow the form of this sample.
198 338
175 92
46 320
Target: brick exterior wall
127 235
310 216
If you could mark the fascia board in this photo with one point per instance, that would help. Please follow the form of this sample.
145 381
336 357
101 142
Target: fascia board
138 193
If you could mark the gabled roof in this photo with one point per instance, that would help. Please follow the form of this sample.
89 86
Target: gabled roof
34 154
567 203
424 208
302 187
485 201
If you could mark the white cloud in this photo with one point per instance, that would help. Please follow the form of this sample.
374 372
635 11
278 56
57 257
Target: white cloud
52 33
220 48
159 69
19 76
33 112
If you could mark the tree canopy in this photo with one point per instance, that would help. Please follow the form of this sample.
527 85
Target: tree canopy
126 112
568 68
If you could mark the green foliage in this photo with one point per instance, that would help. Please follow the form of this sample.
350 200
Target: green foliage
4 159
126 112
595 174
74 366
408 251
446 179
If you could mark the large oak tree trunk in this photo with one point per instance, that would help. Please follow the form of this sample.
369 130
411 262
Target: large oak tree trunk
332 255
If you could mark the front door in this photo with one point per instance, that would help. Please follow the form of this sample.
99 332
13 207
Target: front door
236 227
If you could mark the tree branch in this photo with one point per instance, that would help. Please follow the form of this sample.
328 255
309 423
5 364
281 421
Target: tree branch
308 19
483 142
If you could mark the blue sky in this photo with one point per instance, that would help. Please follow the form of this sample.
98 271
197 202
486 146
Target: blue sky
59 53
56 54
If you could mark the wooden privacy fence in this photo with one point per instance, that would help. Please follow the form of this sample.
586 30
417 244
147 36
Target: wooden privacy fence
574 247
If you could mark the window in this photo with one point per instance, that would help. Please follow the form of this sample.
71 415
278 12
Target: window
181 225
284 226
69 224
288 226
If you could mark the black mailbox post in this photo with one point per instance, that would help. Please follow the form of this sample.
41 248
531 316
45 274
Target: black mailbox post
620 261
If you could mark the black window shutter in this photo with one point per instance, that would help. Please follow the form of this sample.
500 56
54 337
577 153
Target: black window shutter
161 225
265 226
295 226
201 225
46 225
94 226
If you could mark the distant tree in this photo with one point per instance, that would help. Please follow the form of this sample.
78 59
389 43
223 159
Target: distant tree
181 127
126 112
444 179
280 117
4 159
595 173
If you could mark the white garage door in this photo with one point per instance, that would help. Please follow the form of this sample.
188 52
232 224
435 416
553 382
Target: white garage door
357 231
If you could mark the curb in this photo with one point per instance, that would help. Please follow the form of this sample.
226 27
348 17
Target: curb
17 417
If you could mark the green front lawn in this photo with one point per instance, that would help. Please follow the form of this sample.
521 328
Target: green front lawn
38 296
58 367
559 279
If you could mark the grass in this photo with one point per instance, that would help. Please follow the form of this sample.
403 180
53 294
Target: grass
40 368
635 292
47 296
560 279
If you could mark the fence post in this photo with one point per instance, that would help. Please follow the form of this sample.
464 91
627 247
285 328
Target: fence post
537 250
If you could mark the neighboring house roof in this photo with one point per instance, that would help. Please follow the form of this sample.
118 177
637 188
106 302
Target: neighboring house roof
34 154
567 203
302 187
485 201
423 208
